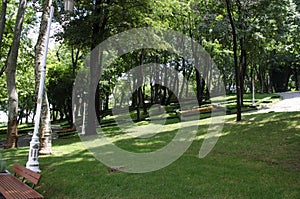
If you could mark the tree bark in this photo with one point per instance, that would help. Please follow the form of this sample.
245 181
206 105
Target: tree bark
45 124
12 126
100 15
45 130
2 27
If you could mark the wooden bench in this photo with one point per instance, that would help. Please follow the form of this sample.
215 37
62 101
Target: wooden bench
205 109
66 132
12 187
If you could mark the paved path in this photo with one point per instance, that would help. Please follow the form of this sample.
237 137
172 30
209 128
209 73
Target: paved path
290 103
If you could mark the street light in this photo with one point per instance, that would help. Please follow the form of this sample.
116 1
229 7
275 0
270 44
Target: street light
32 162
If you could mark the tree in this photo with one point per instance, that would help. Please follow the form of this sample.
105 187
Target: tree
60 80
236 65
45 124
94 22
12 129
246 39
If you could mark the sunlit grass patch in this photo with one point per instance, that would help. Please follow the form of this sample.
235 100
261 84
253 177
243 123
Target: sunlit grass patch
255 158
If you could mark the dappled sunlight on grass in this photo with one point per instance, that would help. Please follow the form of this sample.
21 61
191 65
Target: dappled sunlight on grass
270 138
255 158
150 137
201 137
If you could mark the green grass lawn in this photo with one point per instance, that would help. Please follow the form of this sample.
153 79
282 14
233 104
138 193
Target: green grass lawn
255 158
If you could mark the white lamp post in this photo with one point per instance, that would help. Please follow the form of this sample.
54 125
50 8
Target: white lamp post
253 92
32 162
69 5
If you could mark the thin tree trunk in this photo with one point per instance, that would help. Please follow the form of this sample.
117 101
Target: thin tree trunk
45 123
12 126
184 75
296 78
140 91
243 68
106 106
164 88
199 79
200 87
236 66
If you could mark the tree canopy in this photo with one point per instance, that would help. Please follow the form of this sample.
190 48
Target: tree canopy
255 45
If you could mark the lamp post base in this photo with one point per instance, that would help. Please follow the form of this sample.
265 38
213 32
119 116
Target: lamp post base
33 163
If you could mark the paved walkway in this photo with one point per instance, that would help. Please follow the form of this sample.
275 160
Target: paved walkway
290 103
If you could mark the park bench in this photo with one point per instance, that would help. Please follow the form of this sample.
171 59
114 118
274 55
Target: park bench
12 187
66 132
205 109
59 131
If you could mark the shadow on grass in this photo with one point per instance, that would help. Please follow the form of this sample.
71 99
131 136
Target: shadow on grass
258 158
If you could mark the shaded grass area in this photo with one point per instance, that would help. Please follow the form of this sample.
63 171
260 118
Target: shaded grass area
255 158
22 129
25 129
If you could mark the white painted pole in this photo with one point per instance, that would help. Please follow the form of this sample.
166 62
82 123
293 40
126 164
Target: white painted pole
69 5
83 117
33 163
253 92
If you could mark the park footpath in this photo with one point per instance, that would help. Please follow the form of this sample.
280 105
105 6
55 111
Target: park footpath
290 103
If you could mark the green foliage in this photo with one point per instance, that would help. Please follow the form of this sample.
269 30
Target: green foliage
60 79
268 31
25 68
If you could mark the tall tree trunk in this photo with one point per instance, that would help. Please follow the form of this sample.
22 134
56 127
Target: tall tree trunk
106 106
100 15
296 78
199 79
12 126
184 75
2 27
236 65
2 20
45 123
200 87
164 87
243 67
140 90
